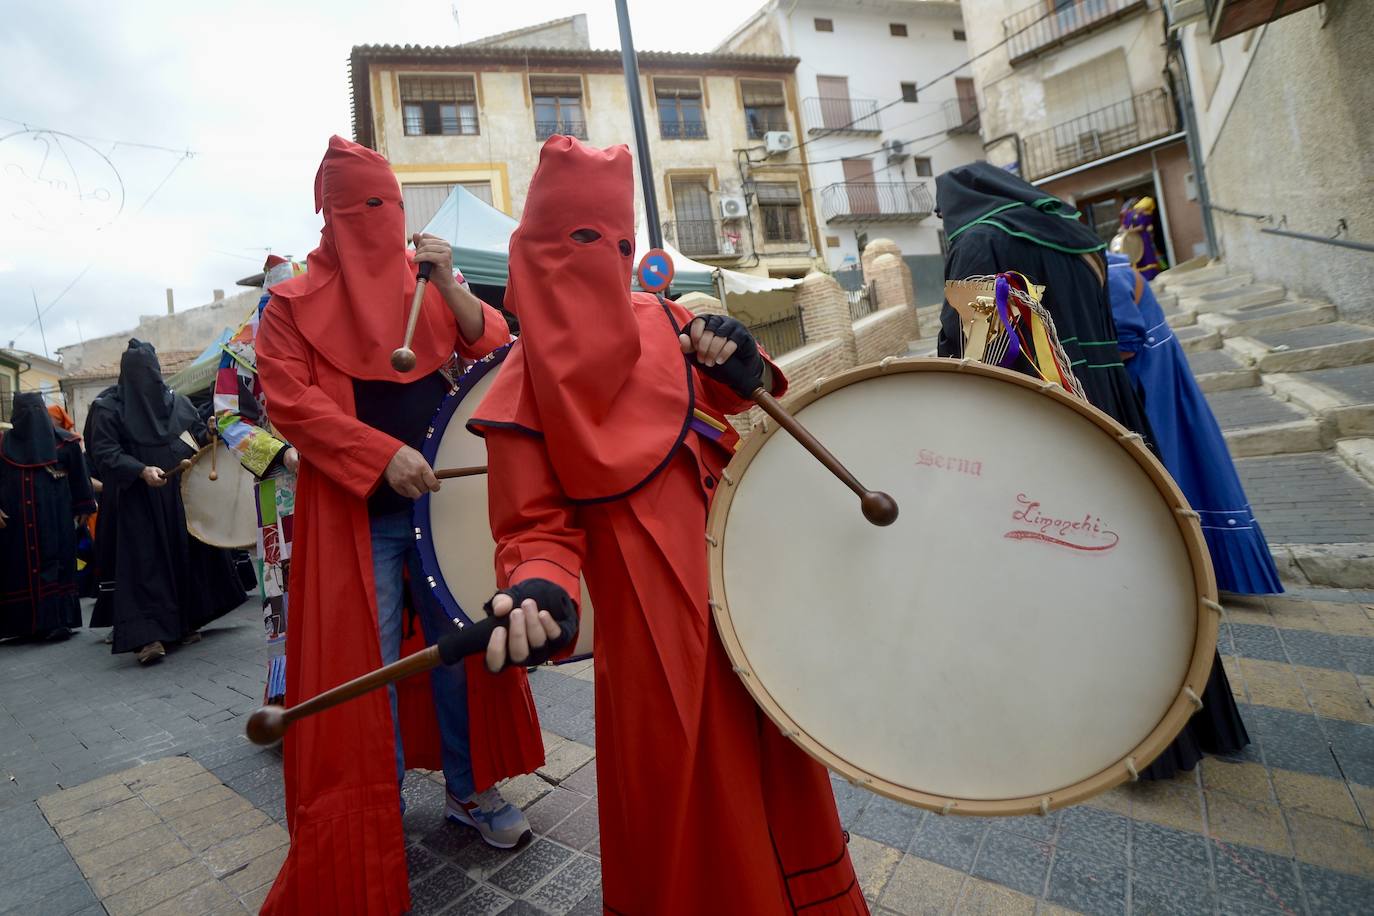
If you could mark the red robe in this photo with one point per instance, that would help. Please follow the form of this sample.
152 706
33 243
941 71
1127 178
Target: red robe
704 806
347 848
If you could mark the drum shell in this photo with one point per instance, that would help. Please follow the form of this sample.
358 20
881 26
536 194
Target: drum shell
1194 610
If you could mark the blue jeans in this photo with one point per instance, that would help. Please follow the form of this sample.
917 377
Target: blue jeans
393 550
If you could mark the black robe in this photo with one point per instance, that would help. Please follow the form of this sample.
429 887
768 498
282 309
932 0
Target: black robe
996 222
157 583
43 488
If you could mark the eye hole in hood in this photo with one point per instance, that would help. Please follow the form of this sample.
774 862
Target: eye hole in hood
585 236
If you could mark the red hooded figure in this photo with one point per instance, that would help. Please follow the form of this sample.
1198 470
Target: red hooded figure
604 445
322 332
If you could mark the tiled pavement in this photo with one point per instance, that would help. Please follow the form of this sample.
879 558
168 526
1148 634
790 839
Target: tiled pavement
1283 829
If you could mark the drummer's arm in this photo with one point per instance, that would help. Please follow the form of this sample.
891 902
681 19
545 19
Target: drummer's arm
533 523
339 445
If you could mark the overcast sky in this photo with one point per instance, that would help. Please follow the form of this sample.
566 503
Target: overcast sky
252 89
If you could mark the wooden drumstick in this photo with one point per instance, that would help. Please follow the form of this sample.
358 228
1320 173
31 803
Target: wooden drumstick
177 468
450 473
214 456
403 358
878 507
269 723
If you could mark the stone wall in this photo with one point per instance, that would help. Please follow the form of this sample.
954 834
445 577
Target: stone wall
888 332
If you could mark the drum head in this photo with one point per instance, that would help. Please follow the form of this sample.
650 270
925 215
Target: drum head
221 512
1022 637
452 527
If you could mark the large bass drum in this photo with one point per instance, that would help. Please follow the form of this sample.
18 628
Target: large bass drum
1035 628
222 512
452 527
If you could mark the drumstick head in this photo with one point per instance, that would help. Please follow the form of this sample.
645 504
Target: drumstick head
878 508
267 725
403 359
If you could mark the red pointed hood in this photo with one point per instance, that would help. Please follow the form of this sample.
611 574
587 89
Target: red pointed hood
596 371
351 303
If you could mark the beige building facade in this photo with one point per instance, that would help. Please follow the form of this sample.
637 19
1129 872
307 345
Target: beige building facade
732 186
1075 96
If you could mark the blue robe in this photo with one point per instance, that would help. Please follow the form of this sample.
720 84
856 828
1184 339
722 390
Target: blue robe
1187 437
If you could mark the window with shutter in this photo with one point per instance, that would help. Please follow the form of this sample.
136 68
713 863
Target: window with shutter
680 115
765 106
558 106
780 206
439 105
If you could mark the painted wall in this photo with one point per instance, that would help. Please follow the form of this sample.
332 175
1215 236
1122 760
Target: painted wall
927 51
507 151
1296 143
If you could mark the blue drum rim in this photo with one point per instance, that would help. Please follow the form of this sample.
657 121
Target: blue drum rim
420 514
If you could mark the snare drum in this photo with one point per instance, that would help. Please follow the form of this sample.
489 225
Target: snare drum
452 529
1035 628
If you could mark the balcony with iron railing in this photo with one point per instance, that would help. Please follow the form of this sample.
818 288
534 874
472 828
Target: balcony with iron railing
876 201
701 238
1098 134
961 116
543 130
841 116
1052 22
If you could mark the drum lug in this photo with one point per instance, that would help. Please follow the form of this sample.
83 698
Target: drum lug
949 806
1210 605
1045 806
885 362
1130 768
1192 697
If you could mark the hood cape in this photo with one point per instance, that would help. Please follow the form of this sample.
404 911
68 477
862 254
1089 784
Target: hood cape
597 371
61 418
150 412
353 300
34 440
981 194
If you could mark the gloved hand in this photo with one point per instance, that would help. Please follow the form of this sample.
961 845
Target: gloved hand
548 622
724 349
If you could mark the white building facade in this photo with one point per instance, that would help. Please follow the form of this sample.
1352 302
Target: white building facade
879 116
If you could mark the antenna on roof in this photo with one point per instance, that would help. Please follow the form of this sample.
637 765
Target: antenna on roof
453 9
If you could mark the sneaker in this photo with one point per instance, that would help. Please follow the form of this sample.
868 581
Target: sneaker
151 653
500 823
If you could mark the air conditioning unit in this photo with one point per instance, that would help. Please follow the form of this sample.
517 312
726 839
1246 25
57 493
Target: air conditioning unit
776 142
896 152
732 207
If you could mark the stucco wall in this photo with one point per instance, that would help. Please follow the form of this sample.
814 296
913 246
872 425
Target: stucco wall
1297 144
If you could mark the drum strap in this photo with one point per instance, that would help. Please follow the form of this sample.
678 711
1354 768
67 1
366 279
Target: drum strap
1139 285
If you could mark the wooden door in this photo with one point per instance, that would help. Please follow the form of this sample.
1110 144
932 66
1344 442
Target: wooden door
858 179
968 99
835 109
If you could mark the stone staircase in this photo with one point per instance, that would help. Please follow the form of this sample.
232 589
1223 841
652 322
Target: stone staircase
1293 389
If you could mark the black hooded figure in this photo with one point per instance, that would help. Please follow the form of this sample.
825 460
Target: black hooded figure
157 583
996 222
44 490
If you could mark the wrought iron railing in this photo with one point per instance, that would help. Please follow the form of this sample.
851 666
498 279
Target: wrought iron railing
1043 25
6 406
851 116
543 130
1099 133
862 301
682 130
872 201
780 335
695 238
961 116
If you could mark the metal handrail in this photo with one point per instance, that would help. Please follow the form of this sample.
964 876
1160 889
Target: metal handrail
1098 134
862 301
842 115
781 335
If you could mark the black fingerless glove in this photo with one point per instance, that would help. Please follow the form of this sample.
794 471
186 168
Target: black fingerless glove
743 371
550 597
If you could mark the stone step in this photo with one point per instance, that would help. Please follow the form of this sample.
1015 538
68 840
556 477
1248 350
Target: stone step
1217 370
1185 275
1228 300
1359 455
1255 422
1281 316
1344 396
1198 338
1178 318
1322 346
1317 514
1219 285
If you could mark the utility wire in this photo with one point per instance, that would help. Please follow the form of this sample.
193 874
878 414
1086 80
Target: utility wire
165 149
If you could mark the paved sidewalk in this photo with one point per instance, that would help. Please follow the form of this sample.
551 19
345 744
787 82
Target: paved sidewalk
89 740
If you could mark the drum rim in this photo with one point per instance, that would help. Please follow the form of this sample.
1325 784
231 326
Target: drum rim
420 513
191 527
1125 768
